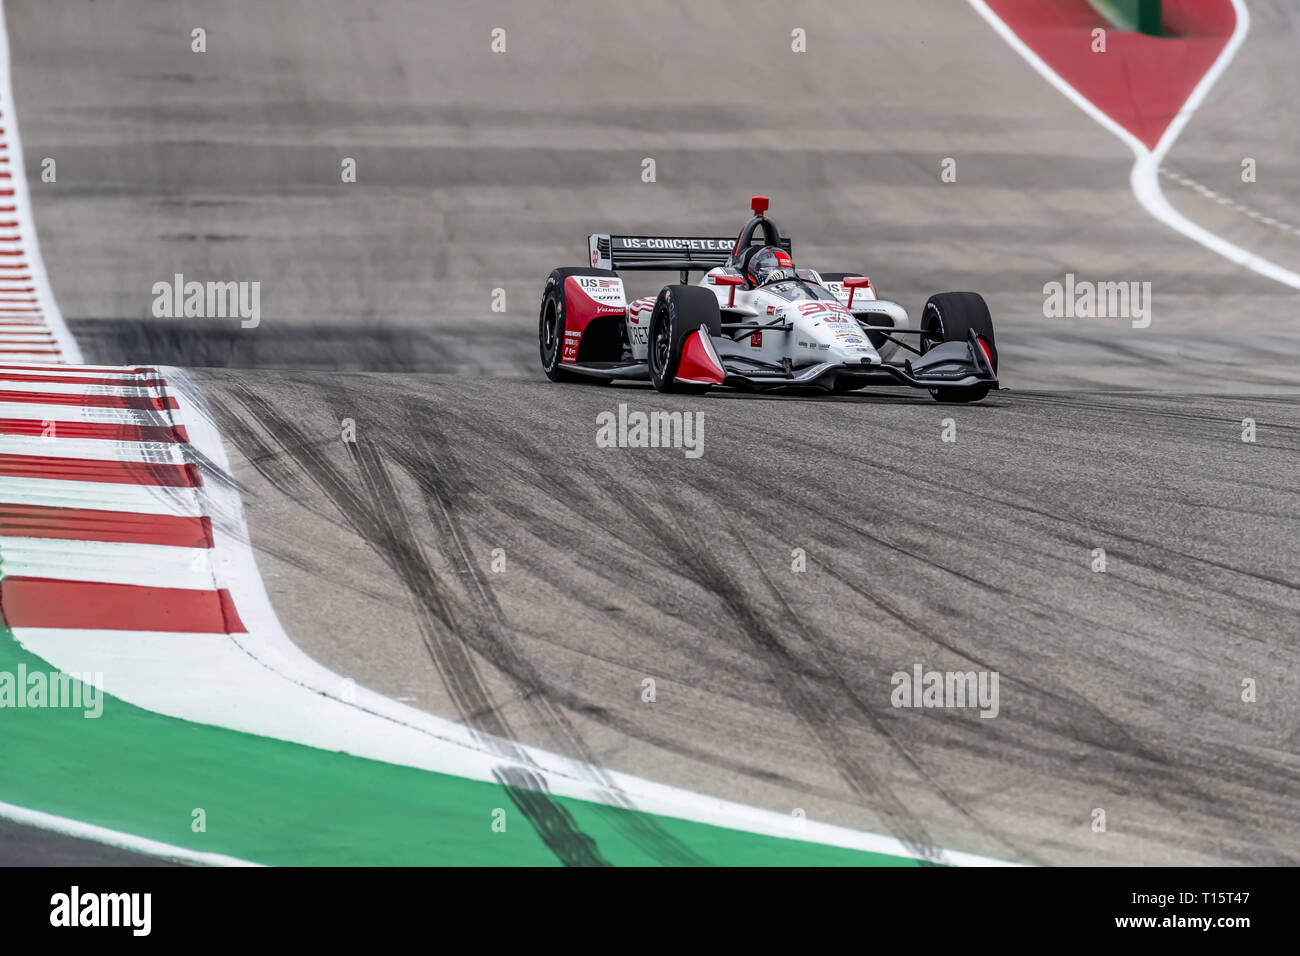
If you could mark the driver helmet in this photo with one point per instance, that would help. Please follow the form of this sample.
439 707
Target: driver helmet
770 264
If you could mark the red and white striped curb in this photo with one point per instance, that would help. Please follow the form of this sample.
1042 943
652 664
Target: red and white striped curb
31 326
102 520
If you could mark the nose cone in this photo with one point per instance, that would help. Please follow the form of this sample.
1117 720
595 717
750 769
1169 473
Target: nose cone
854 350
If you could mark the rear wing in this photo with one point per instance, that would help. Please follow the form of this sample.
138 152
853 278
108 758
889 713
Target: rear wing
661 253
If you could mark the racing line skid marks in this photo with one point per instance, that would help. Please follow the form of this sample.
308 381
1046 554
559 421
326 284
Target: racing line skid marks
458 624
808 685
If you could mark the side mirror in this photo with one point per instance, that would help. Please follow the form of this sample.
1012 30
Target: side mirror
853 283
726 278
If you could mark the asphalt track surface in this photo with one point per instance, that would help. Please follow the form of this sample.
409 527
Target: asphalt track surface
28 846
1120 690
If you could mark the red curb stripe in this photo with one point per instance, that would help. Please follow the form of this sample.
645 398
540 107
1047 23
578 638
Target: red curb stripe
42 602
85 524
103 431
91 469
1140 82
148 403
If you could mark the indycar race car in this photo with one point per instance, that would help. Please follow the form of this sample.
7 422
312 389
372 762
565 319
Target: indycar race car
755 321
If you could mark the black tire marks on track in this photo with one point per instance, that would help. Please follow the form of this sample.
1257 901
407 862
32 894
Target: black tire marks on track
372 505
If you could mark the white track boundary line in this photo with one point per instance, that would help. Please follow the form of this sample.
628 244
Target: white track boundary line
1145 176
114 838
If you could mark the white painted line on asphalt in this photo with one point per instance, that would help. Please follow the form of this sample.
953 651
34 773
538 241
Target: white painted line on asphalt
1223 200
114 838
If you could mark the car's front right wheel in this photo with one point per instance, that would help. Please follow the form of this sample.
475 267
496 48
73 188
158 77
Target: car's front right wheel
951 317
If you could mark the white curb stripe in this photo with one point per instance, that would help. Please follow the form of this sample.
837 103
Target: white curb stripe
39 411
107 562
75 388
99 449
103 496
80 371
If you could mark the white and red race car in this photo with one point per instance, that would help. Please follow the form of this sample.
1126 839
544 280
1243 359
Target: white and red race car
755 322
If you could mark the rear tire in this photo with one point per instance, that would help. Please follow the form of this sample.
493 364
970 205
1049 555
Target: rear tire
679 311
951 317
550 323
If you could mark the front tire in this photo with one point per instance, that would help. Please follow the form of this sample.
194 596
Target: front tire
679 311
951 317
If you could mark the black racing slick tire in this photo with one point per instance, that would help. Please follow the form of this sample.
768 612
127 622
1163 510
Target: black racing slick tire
951 317
679 311
550 322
